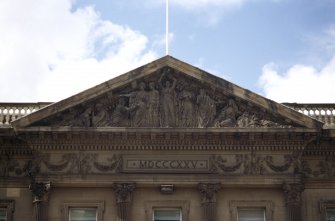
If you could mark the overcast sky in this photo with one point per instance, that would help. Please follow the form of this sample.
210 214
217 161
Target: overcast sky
281 49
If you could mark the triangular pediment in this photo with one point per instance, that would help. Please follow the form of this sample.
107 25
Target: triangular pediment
167 93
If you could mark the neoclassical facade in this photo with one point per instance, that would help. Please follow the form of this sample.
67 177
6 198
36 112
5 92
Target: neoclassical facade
170 142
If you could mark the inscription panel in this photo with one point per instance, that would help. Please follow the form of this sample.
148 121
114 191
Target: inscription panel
166 164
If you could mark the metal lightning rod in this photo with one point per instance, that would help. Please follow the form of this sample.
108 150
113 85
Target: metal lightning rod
167 28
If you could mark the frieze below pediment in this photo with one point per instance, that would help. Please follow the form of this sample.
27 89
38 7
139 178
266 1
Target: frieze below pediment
86 163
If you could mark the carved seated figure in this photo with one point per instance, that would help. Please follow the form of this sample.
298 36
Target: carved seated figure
120 115
227 116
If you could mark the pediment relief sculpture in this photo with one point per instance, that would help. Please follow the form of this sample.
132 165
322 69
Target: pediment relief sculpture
166 98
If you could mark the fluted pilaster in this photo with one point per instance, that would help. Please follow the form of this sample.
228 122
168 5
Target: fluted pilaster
123 193
208 192
293 200
40 191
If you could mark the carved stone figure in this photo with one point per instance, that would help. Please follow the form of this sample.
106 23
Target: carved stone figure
228 115
77 117
153 117
99 116
139 107
186 109
168 103
206 109
247 120
120 115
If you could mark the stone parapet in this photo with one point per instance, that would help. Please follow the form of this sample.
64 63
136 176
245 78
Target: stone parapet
322 112
12 111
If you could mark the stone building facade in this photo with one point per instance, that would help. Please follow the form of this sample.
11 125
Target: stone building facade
167 141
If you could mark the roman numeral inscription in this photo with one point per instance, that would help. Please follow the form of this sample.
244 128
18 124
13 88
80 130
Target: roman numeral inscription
166 164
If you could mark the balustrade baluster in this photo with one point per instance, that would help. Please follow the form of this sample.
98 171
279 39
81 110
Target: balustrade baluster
13 113
1 116
7 118
19 113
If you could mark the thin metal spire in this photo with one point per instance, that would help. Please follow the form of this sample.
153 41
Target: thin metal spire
167 28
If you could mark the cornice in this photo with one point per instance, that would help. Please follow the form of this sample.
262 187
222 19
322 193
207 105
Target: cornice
186 139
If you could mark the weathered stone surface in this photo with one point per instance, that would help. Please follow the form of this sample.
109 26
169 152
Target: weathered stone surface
167 93
166 98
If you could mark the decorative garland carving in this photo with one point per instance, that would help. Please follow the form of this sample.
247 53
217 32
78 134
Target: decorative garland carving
82 163
289 160
254 164
325 167
114 164
219 164
251 163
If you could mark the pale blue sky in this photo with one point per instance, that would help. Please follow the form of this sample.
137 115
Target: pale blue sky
262 45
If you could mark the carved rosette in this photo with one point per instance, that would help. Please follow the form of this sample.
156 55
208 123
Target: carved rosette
208 192
293 200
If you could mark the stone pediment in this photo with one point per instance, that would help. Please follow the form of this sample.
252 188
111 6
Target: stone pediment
167 93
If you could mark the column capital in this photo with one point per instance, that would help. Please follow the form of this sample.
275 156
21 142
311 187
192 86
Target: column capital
39 190
208 191
123 191
292 193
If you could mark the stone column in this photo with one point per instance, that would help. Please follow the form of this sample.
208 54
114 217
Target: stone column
123 193
292 193
40 192
208 192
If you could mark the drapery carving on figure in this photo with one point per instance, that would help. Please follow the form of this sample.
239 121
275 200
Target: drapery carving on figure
168 98
139 107
206 109
120 115
153 106
99 116
187 112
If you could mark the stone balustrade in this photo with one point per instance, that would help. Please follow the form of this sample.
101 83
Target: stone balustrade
322 112
12 111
